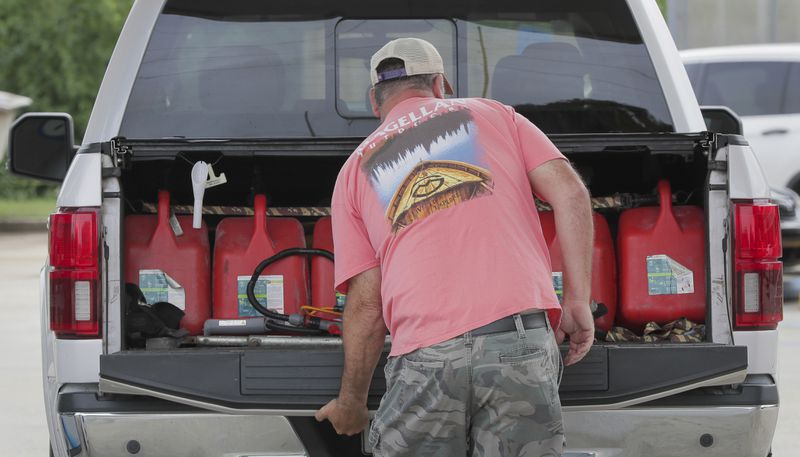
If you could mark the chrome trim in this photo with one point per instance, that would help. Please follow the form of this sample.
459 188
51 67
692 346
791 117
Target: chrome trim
737 431
105 431
188 434
116 387
661 432
727 379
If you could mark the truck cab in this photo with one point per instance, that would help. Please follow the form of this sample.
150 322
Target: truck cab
275 96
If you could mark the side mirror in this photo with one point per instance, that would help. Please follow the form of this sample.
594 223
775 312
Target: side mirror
721 119
41 145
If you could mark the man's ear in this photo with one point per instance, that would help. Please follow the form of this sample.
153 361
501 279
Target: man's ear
438 86
374 103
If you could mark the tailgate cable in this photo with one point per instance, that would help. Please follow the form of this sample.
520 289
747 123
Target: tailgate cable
729 309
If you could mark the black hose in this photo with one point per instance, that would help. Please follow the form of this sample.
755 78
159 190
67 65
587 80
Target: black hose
272 325
251 285
600 311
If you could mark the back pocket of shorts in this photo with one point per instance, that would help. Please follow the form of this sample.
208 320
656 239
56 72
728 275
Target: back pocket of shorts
424 364
522 355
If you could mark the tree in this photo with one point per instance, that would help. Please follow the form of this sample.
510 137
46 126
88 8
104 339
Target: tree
663 5
55 52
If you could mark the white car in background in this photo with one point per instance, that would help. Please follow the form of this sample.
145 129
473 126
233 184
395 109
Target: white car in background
761 83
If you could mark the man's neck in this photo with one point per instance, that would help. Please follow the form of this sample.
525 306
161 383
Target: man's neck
400 97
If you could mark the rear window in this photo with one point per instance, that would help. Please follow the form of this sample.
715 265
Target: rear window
259 70
749 88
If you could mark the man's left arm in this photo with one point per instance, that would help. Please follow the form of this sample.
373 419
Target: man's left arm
557 183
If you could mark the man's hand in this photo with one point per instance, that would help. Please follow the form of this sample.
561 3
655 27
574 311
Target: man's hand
578 323
347 418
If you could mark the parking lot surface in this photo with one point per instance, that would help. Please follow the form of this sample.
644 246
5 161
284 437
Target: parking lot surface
23 429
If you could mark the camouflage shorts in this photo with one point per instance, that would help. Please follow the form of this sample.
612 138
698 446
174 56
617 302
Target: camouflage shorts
492 395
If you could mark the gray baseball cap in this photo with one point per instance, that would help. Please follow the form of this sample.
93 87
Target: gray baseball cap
419 57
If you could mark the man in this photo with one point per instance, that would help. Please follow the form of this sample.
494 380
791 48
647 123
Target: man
437 237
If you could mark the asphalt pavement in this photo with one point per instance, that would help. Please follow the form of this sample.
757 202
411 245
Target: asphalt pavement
787 441
23 430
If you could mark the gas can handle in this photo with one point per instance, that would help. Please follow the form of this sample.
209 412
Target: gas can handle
163 207
260 215
665 215
163 227
665 195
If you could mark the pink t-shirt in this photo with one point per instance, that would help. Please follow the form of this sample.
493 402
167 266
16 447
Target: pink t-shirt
438 197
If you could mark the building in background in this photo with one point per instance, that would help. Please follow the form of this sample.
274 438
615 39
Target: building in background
9 104
701 23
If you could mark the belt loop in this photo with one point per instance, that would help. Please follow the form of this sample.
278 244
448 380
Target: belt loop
520 327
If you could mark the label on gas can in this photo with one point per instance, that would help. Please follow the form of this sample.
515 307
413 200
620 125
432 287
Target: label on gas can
158 286
558 285
665 276
268 290
341 299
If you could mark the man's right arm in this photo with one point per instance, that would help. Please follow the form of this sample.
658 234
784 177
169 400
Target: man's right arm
363 338
557 183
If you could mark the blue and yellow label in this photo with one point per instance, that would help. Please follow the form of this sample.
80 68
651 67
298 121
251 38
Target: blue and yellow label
268 291
558 285
340 301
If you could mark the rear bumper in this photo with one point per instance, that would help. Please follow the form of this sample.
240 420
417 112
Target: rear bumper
179 434
739 421
744 431
735 431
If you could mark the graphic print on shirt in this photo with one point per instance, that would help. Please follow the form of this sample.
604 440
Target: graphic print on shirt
432 166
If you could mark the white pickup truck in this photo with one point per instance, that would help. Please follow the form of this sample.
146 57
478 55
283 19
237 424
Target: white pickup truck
274 95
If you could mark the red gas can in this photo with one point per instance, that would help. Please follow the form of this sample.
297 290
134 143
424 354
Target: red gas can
170 268
322 293
662 264
241 244
604 267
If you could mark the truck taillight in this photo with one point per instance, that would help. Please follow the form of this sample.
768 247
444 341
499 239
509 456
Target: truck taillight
75 273
758 284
